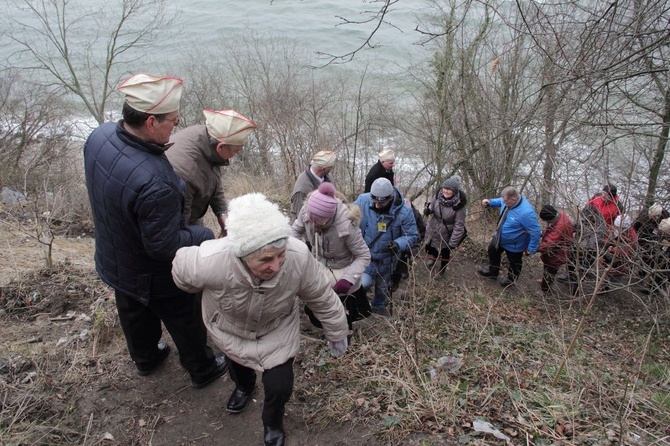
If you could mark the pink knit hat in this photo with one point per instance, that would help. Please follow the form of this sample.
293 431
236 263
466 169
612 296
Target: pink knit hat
322 202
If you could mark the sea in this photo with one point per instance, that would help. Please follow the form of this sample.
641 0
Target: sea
317 26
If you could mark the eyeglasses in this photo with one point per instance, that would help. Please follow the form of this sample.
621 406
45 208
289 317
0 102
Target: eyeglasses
381 199
175 121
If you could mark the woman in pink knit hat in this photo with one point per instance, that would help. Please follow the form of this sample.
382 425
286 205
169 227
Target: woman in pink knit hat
331 228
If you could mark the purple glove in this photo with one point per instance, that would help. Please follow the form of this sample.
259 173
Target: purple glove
341 287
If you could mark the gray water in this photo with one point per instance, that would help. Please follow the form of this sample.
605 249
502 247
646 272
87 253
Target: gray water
314 24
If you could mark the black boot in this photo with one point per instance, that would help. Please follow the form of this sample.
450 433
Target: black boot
362 304
274 436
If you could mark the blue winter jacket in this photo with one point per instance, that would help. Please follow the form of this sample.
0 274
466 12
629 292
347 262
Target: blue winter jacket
521 230
137 201
398 225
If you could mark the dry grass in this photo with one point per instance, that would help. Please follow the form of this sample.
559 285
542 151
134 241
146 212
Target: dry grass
614 387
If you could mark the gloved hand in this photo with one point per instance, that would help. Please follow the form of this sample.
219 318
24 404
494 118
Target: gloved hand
337 348
426 209
342 286
393 247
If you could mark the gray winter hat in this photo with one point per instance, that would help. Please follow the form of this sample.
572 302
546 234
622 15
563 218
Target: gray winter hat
453 183
381 190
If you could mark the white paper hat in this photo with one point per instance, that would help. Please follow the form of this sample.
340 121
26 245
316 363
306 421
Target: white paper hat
324 158
664 225
655 210
386 155
228 126
155 95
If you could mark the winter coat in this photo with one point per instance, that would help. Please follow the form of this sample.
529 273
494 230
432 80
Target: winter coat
136 199
647 227
446 226
399 225
196 161
338 245
378 171
556 241
621 249
258 326
609 210
521 230
304 184
591 230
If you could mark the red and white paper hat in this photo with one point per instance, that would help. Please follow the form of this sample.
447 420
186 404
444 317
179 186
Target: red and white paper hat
155 95
228 126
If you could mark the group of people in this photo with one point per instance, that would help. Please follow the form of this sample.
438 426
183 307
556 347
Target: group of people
602 238
149 191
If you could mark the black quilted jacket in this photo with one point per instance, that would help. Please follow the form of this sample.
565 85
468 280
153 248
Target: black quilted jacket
137 202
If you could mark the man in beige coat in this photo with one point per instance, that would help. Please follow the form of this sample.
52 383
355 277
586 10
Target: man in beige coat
197 154
251 282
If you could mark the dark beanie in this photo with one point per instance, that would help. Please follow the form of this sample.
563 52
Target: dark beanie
453 183
548 212
610 189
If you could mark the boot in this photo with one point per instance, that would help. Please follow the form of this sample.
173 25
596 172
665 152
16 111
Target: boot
274 436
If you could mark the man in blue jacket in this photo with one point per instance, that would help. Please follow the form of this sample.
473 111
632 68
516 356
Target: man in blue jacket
137 202
389 229
517 232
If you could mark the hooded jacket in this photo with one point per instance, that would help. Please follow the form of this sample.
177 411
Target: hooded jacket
258 326
521 230
136 199
339 244
381 229
446 226
196 161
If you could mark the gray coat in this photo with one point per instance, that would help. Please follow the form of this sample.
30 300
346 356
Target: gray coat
446 227
304 184
194 158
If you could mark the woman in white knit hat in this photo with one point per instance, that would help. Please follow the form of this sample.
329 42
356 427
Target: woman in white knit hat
251 282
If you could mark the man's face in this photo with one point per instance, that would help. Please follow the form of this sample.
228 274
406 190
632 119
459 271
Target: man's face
268 264
509 201
382 204
323 171
227 151
160 130
388 164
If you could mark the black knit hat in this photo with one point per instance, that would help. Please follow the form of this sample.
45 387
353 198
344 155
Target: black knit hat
548 212
610 189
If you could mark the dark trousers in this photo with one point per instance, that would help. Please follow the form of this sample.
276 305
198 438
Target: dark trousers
444 255
548 275
277 386
182 318
515 260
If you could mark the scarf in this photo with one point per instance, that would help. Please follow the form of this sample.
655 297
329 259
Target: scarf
450 202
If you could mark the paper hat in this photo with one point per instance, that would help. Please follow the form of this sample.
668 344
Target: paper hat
156 95
386 155
228 126
324 158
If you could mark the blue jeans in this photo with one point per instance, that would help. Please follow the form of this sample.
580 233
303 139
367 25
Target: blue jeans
379 272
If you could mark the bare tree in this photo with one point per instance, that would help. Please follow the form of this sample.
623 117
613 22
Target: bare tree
83 48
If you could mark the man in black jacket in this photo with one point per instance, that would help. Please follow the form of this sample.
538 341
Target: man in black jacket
137 201
382 169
